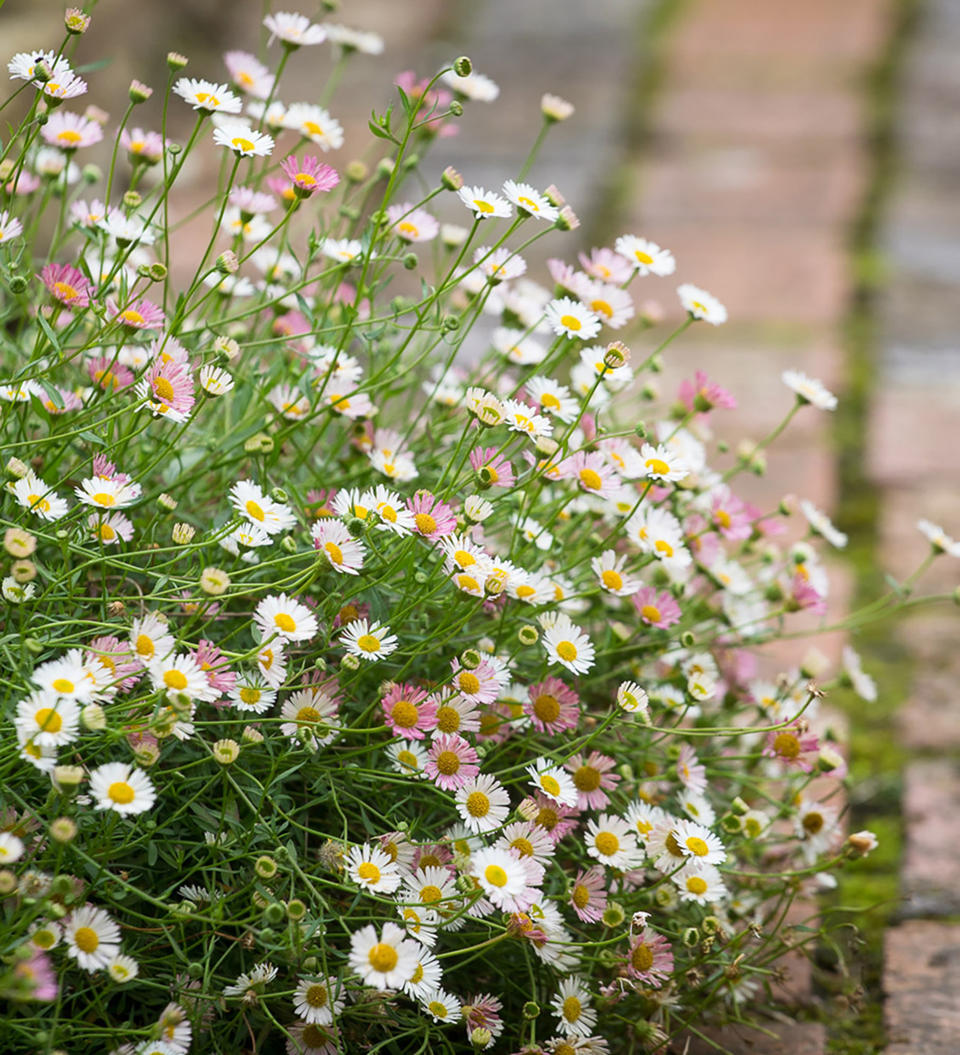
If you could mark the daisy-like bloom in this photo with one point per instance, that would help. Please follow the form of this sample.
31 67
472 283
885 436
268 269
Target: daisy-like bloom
607 266
251 693
47 719
821 524
498 265
567 644
310 716
427 974
569 318
700 304
33 494
384 961
208 96
69 86
549 395
71 131
658 532
451 763
316 124
42 758
137 315
317 1001
817 824
346 250
938 538
103 492
408 757
121 787
250 502
482 684
571 1006
520 417
650 959
611 840
343 552
126 230
294 30
431 517
369 641
123 969
552 707
23 65
690 771
67 285
593 777
793 746
655 608
588 894
517 345
863 685
408 711
493 469
307 1038
645 257
373 869
309 176
411 224
243 140
286 618
214 380
483 803
88 214
609 569
272 663
441 1006
249 74
632 698
700 883
181 675
611 304
809 390
67 676
348 39
530 201
10 227
477 87
420 923
485 205
11 848
92 937
663 463
261 975
702 395
167 389
150 638
503 877
553 781
698 842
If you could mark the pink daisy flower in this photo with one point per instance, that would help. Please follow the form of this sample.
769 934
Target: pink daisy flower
409 712
67 285
656 609
451 762
690 772
214 665
702 395
36 977
592 473
606 266
167 388
69 131
114 654
553 706
650 958
730 516
566 277
432 518
793 746
252 202
588 895
482 1011
110 375
309 176
433 855
142 147
480 685
320 503
137 315
555 819
593 778
350 613
804 596
493 468
68 401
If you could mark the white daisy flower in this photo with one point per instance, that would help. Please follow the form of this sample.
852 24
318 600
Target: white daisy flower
33 494
369 641
332 539
567 644
215 381
252 504
420 923
243 140
518 346
294 30
475 86
809 390
317 1001
67 676
11 848
47 719
123 969
700 883
500 264
150 637
701 305
483 803
179 676
373 869
121 787
611 840
286 618
529 200
92 937
316 124
208 96
552 397
485 205
646 257
554 781
699 842
863 685
632 698
346 250
427 974
441 1006
354 39
105 493
520 417
502 876
822 525
662 463
310 716
384 961
569 318
609 569
571 1006
938 538
408 757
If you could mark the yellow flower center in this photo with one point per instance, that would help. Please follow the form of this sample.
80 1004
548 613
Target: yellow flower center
316 995
448 763
664 547
408 759
527 203
63 686
572 1009
426 525
104 498
368 643
65 290
571 322
250 695
39 503
284 622
430 893
696 885
406 227
313 129
722 517
812 823
549 400
656 465
495 876
107 533
448 719
383 957
550 784
69 136
607 843
369 872
469 683
437 1009
546 707
612 579
567 651
602 307
241 144
523 846
581 896
164 389
697 846
308 716
651 613
86 939
587 778
642 257
405 714
121 793
175 679
548 818
478 804
208 98
144 645
305 179
463 558
133 317
48 720
641 959
591 479
482 206
786 745
253 509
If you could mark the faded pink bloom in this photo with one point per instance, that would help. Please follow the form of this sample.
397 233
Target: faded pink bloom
432 518
451 762
499 472
116 655
137 315
67 285
650 958
793 746
553 706
309 176
731 516
167 388
804 596
656 609
593 777
690 772
409 712
588 894
702 395
109 374
214 665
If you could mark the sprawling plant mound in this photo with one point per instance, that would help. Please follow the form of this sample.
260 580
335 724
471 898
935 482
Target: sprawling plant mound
380 649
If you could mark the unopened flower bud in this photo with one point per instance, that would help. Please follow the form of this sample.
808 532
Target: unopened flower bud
94 718
528 634
554 108
470 659
356 171
176 61
492 586
616 355
228 263
814 664
76 21
462 66
350 662
456 108
62 830
476 508
296 909
214 581
481 1038
167 502
451 179
568 219
157 271
385 168
410 261
862 842
67 777
555 196
8 882
251 735
546 445
132 199
183 534
613 915
227 347
139 92
19 469
23 571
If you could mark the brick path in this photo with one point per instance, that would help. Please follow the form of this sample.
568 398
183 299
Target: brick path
914 464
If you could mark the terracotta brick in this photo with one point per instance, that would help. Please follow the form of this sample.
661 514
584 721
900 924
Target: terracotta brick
931 802
797 1038
922 982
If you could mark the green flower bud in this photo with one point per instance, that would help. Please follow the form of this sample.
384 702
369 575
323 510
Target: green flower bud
463 67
